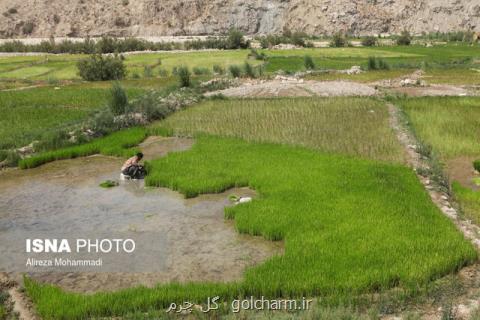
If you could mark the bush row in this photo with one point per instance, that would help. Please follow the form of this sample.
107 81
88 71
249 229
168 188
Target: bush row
234 40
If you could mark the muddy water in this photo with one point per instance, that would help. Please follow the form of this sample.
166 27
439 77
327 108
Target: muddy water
65 196
461 169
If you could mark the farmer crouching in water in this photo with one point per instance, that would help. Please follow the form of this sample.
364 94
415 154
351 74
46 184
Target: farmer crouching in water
132 169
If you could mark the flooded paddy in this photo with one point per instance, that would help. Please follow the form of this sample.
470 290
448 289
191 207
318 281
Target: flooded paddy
65 197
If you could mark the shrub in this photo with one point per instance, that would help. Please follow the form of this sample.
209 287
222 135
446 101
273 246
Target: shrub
9 157
183 76
377 64
12 10
118 103
338 40
404 39
257 56
28 28
235 71
236 40
147 71
476 165
125 2
218 69
369 41
56 18
308 62
53 139
200 71
99 68
248 70
163 72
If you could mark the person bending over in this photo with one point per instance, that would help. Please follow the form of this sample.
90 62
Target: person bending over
132 168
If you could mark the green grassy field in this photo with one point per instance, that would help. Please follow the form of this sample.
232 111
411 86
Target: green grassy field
350 226
120 144
44 67
451 127
449 124
28 114
353 126
397 57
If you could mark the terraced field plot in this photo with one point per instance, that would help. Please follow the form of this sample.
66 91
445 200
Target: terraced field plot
350 226
450 126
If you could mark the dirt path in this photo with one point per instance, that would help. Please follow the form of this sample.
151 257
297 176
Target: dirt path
22 306
294 87
446 204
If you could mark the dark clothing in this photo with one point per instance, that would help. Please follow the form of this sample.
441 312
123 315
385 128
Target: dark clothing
135 171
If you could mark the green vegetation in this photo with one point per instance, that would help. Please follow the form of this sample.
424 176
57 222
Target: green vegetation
308 62
370 76
183 76
339 40
322 124
101 68
404 39
448 124
29 114
108 184
118 102
121 143
347 229
369 41
377 64
449 127
476 165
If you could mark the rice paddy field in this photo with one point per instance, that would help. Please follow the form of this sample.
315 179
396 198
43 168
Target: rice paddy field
333 187
450 127
350 126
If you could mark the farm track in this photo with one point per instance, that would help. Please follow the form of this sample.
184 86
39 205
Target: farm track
468 303
22 306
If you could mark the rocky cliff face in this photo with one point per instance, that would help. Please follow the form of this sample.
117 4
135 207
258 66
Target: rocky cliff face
44 18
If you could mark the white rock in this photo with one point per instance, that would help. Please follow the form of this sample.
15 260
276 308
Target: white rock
244 199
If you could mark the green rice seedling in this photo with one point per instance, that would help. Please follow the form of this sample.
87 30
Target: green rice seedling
120 144
448 124
109 184
346 228
322 124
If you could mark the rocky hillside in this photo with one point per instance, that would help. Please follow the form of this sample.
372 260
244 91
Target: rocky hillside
44 18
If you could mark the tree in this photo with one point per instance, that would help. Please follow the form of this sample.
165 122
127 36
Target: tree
101 68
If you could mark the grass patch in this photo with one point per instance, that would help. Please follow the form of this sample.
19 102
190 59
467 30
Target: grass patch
469 201
449 125
364 77
453 76
350 226
28 114
121 143
322 124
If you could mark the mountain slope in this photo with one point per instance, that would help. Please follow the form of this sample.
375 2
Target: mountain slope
44 18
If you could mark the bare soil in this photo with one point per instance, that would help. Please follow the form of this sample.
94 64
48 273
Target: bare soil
297 88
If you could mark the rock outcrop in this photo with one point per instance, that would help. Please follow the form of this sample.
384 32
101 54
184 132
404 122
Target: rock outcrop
79 18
